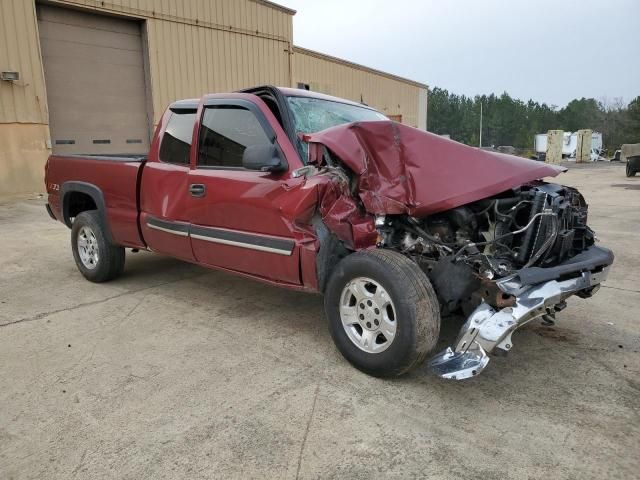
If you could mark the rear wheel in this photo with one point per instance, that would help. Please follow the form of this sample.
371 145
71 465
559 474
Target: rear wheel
383 313
95 257
630 171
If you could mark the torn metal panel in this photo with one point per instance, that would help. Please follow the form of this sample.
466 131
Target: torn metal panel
342 215
489 329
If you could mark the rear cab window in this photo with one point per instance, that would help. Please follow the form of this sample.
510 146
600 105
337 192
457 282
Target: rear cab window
176 141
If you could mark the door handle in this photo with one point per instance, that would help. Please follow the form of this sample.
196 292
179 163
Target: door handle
197 190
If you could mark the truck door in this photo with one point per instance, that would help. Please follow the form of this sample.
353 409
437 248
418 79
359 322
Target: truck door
164 186
237 219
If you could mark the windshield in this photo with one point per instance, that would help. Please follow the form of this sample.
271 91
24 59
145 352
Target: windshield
311 115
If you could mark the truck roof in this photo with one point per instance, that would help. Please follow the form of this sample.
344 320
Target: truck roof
299 92
187 103
192 103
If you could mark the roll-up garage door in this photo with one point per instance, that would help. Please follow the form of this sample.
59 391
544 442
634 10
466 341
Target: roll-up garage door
95 80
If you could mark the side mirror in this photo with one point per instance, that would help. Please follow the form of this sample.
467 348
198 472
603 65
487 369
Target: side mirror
265 158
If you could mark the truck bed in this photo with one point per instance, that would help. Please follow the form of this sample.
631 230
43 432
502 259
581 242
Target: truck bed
112 179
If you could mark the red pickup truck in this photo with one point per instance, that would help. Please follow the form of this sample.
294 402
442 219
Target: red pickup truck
392 224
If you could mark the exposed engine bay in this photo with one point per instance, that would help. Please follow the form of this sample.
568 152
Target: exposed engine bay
464 249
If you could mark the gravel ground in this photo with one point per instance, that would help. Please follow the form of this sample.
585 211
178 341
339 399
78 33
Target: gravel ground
174 371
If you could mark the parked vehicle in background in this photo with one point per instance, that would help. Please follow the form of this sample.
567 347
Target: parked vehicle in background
540 146
630 153
569 146
633 166
392 224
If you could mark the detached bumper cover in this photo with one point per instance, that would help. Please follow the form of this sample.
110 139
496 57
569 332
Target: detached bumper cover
488 329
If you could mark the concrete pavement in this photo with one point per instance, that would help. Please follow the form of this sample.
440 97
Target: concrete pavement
174 371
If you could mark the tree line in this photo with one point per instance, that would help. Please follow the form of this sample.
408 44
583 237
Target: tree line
510 121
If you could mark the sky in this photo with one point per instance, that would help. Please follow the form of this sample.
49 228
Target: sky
550 51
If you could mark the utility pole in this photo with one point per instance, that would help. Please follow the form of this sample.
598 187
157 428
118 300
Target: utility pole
480 145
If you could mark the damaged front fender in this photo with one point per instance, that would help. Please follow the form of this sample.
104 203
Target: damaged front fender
342 215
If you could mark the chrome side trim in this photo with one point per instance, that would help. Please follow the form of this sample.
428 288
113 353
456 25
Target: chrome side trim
250 246
235 238
167 230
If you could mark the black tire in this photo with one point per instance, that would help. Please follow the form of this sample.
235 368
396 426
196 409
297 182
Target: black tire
630 171
110 258
417 312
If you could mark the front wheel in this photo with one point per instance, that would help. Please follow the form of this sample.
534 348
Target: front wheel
97 259
383 312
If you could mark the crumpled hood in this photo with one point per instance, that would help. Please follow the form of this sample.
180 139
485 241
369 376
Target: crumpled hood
405 170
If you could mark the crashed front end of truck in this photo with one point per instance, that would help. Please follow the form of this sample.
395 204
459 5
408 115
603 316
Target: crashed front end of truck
503 261
498 244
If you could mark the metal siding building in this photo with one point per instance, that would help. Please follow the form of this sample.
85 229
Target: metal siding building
68 52
398 98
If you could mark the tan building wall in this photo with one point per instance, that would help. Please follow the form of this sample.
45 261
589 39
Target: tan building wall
191 47
23 101
387 93
24 131
23 154
234 44
229 44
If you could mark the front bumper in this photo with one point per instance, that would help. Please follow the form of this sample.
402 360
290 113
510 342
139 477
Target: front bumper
489 330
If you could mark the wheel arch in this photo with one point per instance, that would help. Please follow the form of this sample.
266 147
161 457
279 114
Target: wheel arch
78 197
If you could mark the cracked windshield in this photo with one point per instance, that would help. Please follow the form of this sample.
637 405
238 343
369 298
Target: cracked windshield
311 115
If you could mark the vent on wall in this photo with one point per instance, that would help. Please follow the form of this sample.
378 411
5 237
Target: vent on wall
102 141
65 142
134 140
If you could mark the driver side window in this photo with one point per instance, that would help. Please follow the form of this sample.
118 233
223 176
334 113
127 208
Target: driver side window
225 132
